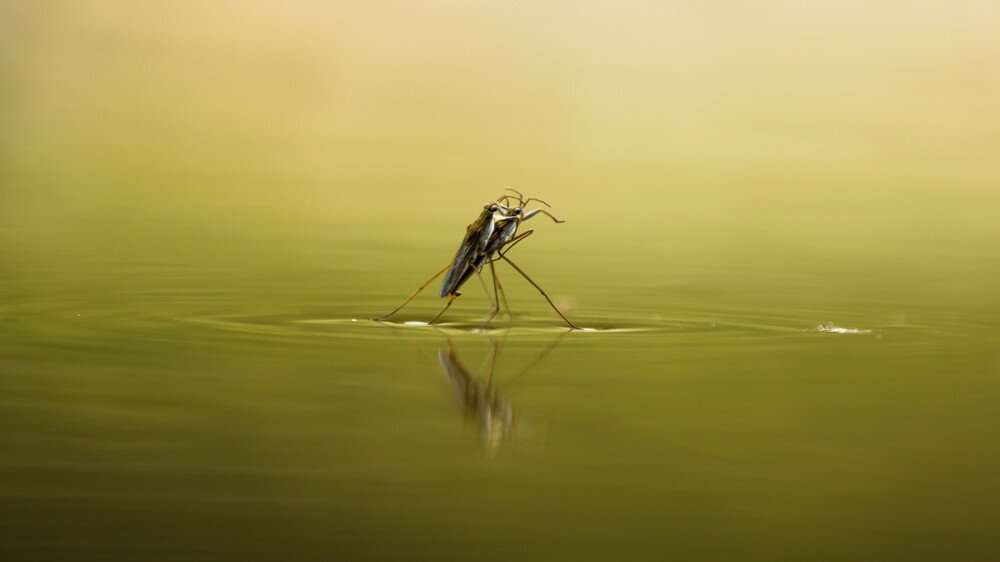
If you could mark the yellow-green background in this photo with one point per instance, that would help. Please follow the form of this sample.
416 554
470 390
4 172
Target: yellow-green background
196 198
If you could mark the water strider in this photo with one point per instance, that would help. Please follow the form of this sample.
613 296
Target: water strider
488 239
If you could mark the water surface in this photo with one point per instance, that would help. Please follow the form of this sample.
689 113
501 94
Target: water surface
780 235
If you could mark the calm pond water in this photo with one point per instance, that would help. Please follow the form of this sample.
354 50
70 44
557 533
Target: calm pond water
154 409
781 235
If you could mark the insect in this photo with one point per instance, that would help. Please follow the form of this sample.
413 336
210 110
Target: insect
487 240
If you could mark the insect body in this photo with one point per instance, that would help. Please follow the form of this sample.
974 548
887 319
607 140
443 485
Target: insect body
469 259
486 241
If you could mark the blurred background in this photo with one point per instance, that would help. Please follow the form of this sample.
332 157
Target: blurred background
197 197
842 126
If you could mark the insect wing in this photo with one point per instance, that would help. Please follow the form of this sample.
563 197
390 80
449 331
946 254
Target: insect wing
477 235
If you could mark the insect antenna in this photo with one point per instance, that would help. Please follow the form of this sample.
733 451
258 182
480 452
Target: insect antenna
521 201
520 196
530 199
506 200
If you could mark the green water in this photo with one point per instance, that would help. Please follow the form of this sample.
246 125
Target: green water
781 237
159 409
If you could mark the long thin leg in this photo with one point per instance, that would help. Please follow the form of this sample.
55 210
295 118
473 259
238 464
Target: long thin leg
500 295
414 295
450 300
493 304
515 240
498 287
496 292
530 214
540 290
530 199
496 279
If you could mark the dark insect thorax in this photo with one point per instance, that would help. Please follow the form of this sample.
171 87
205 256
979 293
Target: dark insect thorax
470 255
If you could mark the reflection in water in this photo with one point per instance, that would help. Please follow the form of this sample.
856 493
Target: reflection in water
479 399
478 396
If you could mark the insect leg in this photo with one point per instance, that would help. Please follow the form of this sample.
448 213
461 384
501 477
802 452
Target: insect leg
530 199
540 290
450 300
515 240
496 279
498 287
530 214
414 295
494 305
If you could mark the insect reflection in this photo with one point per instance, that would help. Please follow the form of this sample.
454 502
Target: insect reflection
487 240
479 396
